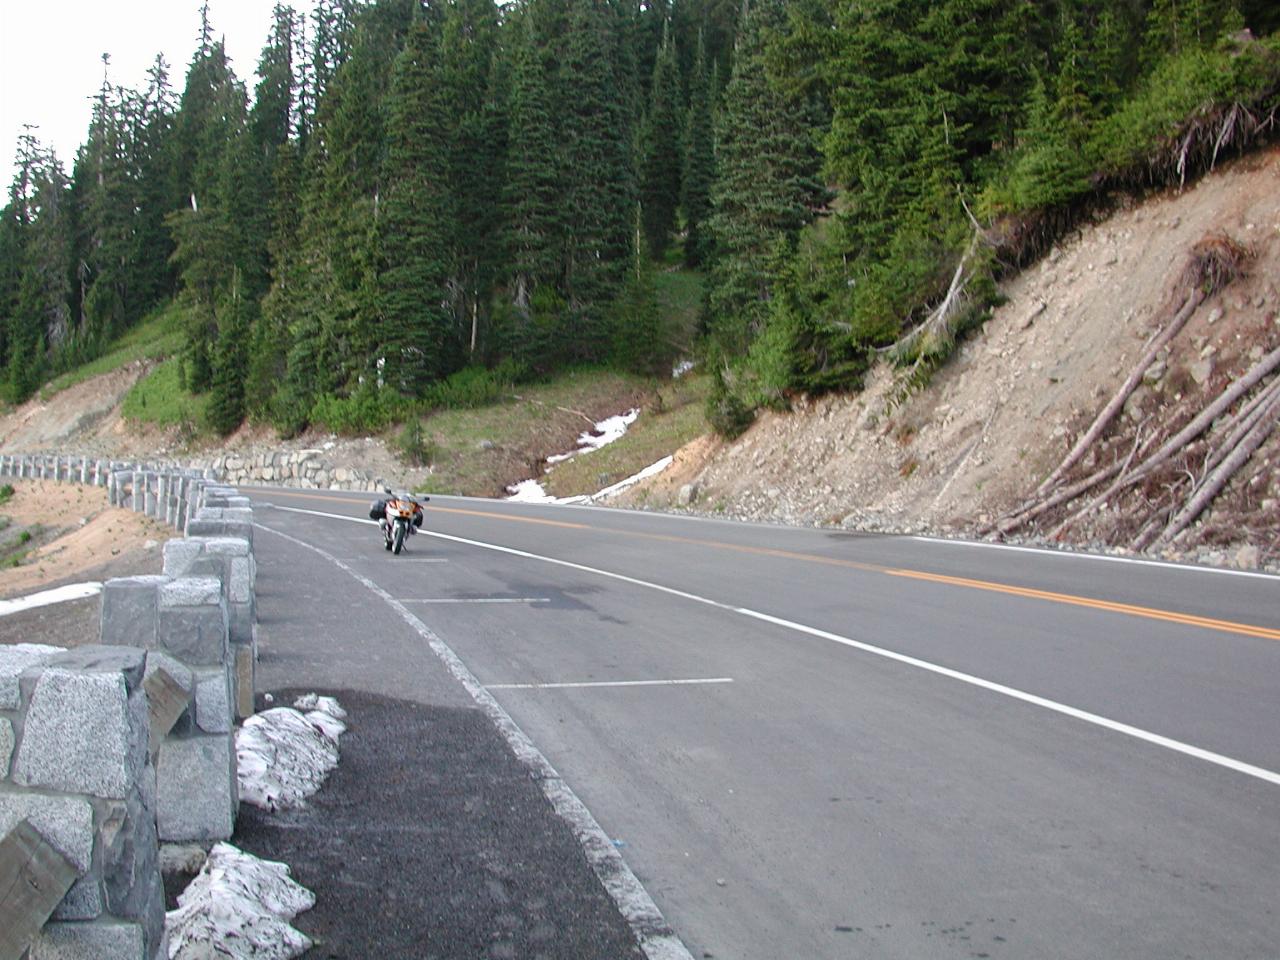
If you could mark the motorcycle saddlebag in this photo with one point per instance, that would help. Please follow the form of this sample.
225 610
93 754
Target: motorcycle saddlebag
377 510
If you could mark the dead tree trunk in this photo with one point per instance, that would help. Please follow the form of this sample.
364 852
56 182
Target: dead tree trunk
1216 480
1103 420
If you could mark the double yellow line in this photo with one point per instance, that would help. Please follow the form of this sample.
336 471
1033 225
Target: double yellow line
1150 613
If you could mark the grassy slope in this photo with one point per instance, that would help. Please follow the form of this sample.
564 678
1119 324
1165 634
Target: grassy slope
673 418
158 335
158 398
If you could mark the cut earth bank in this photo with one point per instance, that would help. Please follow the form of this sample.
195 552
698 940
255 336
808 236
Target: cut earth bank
996 419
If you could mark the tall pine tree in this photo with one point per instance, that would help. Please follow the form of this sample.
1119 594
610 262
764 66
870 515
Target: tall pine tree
661 151
600 179
766 190
699 160
531 192
416 339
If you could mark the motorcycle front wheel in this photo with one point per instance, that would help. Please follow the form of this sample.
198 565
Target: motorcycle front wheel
398 543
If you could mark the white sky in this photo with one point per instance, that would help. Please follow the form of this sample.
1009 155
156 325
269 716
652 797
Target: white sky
50 58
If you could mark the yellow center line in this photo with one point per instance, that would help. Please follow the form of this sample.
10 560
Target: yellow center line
1150 613
513 519
1128 609
756 551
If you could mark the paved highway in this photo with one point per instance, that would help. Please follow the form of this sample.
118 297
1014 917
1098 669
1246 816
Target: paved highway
813 744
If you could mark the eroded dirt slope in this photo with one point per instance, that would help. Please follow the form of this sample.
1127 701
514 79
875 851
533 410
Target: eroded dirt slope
1003 412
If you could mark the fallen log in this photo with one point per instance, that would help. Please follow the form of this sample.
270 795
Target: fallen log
1218 478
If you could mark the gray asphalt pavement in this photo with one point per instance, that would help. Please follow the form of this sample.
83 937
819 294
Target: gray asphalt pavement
812 744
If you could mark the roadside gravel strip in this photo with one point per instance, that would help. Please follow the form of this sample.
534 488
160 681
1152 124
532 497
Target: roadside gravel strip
430 840
446 745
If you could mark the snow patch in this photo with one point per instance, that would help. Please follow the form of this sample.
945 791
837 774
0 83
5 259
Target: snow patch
75 591
529 491
284 755
239 906
650 471
604 433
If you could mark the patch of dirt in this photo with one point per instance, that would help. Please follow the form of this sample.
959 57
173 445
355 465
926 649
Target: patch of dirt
76 537
687 465
81 538
1012 400
87 413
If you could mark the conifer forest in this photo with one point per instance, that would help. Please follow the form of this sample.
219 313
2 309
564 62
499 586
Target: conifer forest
409 194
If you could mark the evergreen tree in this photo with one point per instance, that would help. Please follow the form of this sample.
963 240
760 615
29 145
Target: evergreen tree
41 312
898 69
531 193
105 194
416 336
332 300
699 161
600 182
269 340
716 23
1176 26
270 125
158 190
766 189
662 152
210 243
469 41
642 342
229 363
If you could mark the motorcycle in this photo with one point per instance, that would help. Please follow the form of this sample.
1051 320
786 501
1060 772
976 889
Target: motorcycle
399 517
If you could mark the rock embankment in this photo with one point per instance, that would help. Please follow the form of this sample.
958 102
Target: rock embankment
308 468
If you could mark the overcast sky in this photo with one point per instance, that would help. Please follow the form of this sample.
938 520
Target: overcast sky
50 58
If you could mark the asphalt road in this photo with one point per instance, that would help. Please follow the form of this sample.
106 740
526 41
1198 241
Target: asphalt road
817 744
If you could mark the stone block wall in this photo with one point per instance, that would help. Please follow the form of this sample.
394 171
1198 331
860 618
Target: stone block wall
74 762
80 759
290 468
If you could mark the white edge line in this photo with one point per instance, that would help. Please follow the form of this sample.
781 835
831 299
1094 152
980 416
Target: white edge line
655 936
478 600
1105 558
587 684
1116 726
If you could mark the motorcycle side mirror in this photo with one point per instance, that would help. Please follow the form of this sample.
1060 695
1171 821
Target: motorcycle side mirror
386 490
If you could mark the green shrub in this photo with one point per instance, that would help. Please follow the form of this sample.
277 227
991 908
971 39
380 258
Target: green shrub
6 493
415 446
728 413
368 410
473 387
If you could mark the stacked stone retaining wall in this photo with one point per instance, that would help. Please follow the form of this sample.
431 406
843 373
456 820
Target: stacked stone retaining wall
290 468
88 755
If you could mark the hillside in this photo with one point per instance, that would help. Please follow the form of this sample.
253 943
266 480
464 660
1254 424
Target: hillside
954 458
967 450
